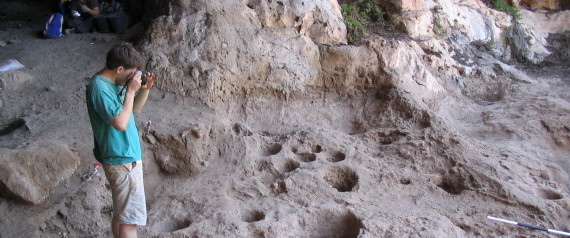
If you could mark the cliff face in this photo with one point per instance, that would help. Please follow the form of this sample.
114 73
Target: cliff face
213 51
268 123
322 137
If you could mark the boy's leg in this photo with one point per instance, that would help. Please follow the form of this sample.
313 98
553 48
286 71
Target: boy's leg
128 231
123 230
129 204
115 227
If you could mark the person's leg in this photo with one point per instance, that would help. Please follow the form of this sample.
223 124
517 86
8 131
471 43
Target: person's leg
115 227
118 175
128 231
129 205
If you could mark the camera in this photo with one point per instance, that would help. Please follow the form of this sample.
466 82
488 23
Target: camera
143 79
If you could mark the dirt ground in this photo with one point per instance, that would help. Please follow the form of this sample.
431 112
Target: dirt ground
317 166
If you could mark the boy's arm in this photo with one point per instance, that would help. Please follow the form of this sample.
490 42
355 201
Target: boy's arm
140 99
120 121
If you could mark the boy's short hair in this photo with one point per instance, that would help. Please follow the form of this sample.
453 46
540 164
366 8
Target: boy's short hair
125 55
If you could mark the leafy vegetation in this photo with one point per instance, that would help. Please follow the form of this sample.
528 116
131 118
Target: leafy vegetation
359 12
503 6
437 26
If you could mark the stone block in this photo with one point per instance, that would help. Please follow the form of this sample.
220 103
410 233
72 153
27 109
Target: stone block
29 175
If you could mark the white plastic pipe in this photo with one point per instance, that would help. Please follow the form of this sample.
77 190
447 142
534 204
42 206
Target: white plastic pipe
530 226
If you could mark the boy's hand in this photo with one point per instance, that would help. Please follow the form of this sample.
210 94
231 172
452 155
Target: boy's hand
134 83
150 77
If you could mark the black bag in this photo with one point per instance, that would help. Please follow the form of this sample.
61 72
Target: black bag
112 18
101 24
82 24
119 22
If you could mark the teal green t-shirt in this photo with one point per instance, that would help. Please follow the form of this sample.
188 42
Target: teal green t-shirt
104 104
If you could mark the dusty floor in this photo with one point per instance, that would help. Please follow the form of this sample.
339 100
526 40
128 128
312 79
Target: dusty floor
323 165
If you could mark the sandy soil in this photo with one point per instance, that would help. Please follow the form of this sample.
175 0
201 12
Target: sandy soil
325 165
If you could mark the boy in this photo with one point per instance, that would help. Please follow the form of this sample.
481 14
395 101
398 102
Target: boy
115 134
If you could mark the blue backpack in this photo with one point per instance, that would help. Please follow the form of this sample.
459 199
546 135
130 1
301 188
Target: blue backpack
54 26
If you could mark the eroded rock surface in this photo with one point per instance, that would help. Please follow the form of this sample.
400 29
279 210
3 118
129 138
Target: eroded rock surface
30 175
269 125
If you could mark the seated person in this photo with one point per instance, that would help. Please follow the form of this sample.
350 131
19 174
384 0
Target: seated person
83 7
110 7
82 13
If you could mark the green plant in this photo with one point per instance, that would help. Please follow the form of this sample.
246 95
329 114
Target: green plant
357 13
371 10
438 28
354 22
503 6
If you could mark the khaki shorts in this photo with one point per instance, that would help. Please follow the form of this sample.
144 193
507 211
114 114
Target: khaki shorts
127 188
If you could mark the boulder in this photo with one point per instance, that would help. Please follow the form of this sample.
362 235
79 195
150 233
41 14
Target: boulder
29 175
527 43
13 79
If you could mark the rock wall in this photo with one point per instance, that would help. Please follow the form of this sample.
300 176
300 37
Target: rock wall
318 135
213 51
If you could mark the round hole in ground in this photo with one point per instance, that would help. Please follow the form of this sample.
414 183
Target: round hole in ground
294 150
549 194
272 149
343 179
317 149
337 157
171 224
290 165
253 216
307 157
452 186
330 223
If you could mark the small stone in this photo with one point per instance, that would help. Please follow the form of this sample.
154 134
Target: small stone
195 73
197 132
2 44
13 41
194 131
150 138
185 133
